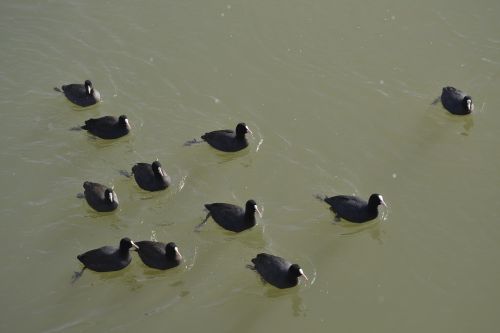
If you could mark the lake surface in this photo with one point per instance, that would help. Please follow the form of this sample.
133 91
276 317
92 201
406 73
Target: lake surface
338 96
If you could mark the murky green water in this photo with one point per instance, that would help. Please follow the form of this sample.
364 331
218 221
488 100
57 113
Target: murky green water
338 96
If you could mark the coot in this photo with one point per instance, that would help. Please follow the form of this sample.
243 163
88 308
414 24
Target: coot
232 217
159 255
81 94
106 258
355 209
151 177
108 127
228 140
100 197
456 101
277 271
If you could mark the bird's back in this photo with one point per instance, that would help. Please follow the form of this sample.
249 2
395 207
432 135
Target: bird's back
216 134
95 195
77 93
104 259
273 269
228 216
107 127
453 100
147 179
94 192
100 123
351 208
153 255
225 140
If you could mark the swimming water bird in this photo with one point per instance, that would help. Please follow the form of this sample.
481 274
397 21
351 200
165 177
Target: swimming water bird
108 127
80 94
106 258
456 101
159 255
228 140
151 177
232 217
277 271
100 197
355 209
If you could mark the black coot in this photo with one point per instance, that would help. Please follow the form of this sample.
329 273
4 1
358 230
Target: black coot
232 217
81 94
100 197
108 127
159 255
277 271
106 258
228 140
355 209
151 177
456 101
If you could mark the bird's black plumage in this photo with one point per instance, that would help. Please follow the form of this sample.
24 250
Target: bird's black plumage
159 255
277 271
151 177
100 197
108 127
228 140
355 209
232 217
108 258
81 94
456 101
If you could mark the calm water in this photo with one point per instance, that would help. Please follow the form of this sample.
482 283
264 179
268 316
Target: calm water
338 97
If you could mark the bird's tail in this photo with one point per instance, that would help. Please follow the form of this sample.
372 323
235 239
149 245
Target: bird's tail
77 275
192 142
198 227
125 173
320 197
